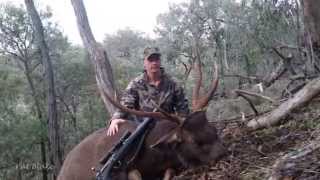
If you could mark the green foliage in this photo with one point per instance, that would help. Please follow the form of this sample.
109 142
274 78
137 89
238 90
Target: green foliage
20 129
237 35
22 92
15 27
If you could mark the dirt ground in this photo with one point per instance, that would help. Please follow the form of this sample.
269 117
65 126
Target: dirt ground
253 154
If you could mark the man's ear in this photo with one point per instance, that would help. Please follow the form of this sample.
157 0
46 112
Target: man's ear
173 137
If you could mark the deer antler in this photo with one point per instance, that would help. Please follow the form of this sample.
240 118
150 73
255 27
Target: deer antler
157 115
200 102
196 88
169 116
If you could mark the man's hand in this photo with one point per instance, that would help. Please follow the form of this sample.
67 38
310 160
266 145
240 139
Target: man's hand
114 126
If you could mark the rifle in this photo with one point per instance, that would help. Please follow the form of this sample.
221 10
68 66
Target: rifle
113 159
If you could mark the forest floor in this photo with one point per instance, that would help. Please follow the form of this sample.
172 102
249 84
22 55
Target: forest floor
253 154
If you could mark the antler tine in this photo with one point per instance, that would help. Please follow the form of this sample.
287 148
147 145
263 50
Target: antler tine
201 102
169 116
140 113
196 89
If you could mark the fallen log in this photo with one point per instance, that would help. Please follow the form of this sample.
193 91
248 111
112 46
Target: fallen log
311 90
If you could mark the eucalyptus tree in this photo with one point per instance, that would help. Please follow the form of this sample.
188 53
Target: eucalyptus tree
312 35
12 122
254 29
16 44
52 112
18 53
190 34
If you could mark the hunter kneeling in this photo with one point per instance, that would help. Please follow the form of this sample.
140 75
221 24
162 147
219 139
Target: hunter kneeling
175 140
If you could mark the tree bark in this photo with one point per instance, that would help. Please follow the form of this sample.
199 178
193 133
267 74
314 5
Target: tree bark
40 117
275 75
312 34
44 169
260 96
53 125
98 56
302 97
312 20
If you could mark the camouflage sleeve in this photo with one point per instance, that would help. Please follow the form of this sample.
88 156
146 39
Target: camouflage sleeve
130 99
180 101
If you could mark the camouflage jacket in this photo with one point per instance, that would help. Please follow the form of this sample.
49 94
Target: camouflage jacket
139 94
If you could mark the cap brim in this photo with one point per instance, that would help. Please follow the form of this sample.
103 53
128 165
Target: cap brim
159 54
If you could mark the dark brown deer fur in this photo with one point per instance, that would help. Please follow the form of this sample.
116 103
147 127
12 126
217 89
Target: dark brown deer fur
194 144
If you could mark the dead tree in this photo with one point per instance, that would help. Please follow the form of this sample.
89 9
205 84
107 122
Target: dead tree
98 55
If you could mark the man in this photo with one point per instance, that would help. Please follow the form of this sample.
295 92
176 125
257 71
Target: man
152 85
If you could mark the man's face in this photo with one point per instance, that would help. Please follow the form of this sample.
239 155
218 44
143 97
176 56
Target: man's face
153 63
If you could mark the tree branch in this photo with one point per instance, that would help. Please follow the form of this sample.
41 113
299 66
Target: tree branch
250 103
239 91
99 58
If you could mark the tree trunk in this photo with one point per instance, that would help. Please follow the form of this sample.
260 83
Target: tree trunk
19 169
98 56
302 97
44 169
275 75
312 20
53 125
225 55
40 117
90 109
248 67
312 33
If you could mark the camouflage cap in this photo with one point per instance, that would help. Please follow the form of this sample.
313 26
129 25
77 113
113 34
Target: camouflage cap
150 51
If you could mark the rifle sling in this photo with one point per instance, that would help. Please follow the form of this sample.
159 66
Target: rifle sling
139 146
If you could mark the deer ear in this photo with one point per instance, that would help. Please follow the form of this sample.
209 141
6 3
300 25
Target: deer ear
173 137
